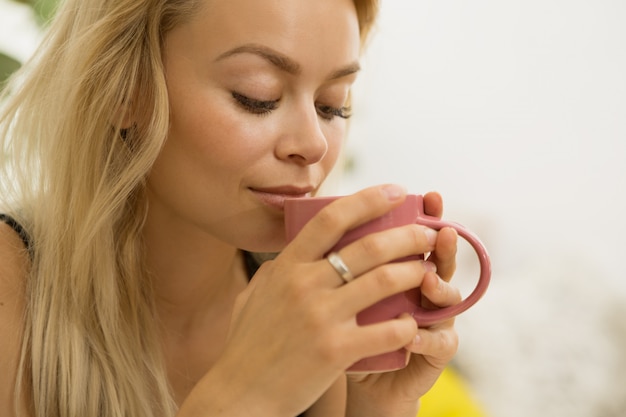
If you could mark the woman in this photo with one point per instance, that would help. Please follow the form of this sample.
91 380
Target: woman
150 145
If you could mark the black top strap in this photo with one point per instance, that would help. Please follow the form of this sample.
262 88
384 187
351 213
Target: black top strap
17 227
251 264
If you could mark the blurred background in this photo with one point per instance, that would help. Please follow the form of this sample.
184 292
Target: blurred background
21 23
515 111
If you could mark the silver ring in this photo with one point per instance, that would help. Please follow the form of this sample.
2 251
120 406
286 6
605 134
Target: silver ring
340 266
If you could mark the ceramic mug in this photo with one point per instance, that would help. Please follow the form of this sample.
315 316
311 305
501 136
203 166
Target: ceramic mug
298 211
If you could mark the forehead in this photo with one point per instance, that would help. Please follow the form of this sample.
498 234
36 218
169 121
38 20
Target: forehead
302 29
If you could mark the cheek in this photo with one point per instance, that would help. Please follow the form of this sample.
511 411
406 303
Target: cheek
213 130
335 136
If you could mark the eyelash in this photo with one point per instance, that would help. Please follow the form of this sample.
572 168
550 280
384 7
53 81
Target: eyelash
254 106
329 112
263 107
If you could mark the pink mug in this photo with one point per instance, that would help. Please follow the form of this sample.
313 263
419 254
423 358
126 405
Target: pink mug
298 211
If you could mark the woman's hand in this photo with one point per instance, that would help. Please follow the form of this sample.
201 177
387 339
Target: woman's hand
294 329
397 393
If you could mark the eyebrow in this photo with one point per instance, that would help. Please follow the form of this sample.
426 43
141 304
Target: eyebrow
282 62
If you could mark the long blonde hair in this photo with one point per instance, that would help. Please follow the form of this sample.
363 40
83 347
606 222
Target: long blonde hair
73 174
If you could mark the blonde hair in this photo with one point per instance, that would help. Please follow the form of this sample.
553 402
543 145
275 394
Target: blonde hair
367 12
73 173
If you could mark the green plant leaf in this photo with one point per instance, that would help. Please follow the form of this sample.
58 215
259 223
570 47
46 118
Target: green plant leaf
8 66
44 9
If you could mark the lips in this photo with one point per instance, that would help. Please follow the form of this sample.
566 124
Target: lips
274 197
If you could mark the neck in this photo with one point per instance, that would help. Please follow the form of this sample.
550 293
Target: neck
195 276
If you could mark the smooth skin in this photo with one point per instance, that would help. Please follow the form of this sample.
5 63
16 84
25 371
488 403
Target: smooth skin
258 94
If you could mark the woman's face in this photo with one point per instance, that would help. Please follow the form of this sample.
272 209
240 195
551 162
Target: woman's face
258 91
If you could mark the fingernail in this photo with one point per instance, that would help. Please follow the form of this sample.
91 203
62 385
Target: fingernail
431 236
429 266
394 192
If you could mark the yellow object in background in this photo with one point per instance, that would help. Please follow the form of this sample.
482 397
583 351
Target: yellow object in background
449 397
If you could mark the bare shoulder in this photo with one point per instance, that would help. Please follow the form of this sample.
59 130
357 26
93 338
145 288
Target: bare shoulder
13 272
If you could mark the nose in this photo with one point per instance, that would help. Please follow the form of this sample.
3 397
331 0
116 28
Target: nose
302 141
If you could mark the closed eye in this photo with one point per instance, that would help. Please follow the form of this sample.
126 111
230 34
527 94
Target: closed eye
329 112
255 106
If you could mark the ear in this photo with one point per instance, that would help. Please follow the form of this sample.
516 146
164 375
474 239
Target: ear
124 117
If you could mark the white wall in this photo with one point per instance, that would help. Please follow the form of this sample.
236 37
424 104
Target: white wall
19 32
514 110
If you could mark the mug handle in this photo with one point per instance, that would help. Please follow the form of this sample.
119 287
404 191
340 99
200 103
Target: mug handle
425 317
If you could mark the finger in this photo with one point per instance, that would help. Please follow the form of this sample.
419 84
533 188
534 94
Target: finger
440 343
444 255
389 245
321 233
433 204
386 336
440 293
382 282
